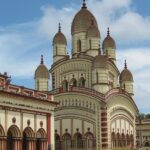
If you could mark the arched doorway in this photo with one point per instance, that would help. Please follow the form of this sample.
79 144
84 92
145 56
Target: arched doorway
13 141
82 82
65 85
41 140
90 140
2 139
28 139
78 142
66 141
57 142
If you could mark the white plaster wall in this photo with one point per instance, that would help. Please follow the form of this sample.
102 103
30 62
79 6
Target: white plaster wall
41 118
77 124
57 126
66 124
2 118
28 117
88 125
12 114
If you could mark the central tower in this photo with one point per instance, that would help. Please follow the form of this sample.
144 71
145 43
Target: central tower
85 33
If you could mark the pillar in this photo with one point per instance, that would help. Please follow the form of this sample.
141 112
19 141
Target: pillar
49 130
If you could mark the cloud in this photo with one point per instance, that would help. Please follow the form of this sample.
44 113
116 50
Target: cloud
22 44
138 63
127 25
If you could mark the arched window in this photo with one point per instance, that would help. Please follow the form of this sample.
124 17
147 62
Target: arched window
65 85
73 82
96 77
123 143
90 44
41 141
113 137
146 144
28 136
78 142
56 50
38 85
12 135
57 142
118 140
66 141
90 141
82 82
79 46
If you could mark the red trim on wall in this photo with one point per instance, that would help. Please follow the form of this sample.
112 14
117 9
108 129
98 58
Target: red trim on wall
49 129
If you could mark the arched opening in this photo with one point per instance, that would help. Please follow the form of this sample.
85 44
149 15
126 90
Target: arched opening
96 77
38 85
123 143
12 138
90 44
79 46
56 50
28 138
41 140
90 140
57 142
82 82
118 140
113 137
78 141
66 141
2 140
146 144
73 82
65 86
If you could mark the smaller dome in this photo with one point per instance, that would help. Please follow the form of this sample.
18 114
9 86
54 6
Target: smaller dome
126 75
100 61
42 71
93 31
59 37
109 42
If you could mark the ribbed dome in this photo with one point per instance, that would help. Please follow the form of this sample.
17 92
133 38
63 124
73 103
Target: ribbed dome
82 21
126 75
42 71
59 38
109 42
100 61
93 31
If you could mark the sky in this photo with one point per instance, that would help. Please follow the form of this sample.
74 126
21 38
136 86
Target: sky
27 29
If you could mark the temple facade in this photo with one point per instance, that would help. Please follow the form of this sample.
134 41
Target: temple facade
26 117
97 110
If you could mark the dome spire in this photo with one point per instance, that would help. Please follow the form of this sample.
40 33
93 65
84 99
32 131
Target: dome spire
59 27
108 32
42 61
125 64
84 5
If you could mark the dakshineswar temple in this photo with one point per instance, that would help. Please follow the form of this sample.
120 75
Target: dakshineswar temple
96 109
91 104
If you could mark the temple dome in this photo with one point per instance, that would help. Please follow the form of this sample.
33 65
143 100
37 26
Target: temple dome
82 21
93 31
109 42
59 38
126 75
100 61
42 71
